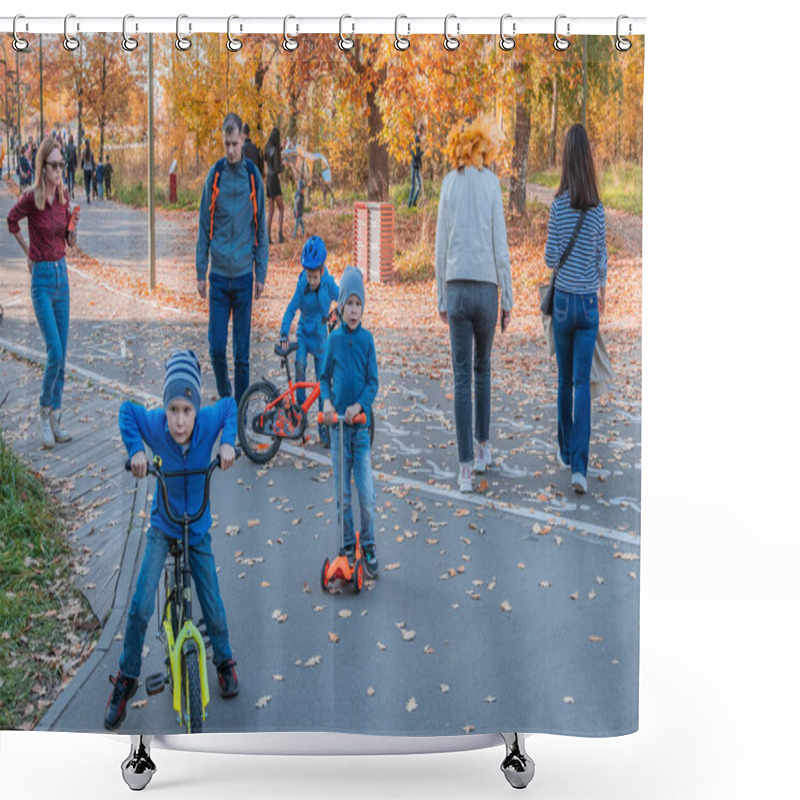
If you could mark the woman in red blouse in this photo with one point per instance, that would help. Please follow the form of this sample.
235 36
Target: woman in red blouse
46 207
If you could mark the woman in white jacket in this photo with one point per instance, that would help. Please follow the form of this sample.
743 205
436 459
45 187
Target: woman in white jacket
472 267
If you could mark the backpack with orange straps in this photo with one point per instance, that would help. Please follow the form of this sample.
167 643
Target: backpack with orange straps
251 171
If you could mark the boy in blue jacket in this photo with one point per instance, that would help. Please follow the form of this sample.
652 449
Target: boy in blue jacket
183 435
349 385
316 290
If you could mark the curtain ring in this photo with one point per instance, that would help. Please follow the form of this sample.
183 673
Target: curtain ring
560 43
19 44
233 44
129 43
345 42
70 42
451 42
507 42
181 42
622 44
401 42
290 44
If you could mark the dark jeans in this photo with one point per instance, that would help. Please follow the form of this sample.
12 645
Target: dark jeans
472 317
576 318
416 186
230 297
50 296
71 181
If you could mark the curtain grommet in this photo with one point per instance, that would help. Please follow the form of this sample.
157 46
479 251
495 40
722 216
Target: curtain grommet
401 43
129 43
233 44
622 44
290 44
507 43
19 44
182 42
451 42
345 42
559 42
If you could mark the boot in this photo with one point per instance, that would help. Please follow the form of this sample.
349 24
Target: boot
44 428
59 434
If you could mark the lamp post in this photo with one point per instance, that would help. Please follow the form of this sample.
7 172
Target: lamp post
41 94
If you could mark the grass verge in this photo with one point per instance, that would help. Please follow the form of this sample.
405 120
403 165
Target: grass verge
45 623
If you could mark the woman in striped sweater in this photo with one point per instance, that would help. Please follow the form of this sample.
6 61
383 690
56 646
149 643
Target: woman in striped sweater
579 298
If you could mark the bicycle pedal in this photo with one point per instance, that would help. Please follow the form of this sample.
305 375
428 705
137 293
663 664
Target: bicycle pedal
155 683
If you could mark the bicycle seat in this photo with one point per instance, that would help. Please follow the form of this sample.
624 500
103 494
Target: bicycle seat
290 349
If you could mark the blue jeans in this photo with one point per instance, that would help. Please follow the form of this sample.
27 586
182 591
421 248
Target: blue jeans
357 463
50 295
71 181
576 318
100 189
472 317
230 296
416 186
204 575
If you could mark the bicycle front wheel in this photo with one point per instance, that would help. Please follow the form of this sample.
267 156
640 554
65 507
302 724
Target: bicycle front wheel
259 446
190 688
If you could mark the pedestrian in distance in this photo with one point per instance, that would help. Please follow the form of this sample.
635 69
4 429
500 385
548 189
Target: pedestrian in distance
51 227
472 267
299 208
249 150
232 231
274 162
349 385
416 166
579 296
316 290
107 172
183 434
71 157
24 170
100 173
88 165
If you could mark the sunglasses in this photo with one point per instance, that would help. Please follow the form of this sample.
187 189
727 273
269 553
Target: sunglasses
55 164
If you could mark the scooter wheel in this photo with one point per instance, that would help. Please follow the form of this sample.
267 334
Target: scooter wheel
358 576
323 580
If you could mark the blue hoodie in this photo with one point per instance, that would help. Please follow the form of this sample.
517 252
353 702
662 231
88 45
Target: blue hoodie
313 306
350 369
139 426
233 248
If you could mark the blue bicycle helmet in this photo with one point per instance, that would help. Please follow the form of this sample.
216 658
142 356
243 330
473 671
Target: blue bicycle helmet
314 253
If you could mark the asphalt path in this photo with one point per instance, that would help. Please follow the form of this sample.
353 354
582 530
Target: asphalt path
512 608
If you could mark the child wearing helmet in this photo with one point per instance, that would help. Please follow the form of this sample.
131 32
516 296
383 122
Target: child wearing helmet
316 290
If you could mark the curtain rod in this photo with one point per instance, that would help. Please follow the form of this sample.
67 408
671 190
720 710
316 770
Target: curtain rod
403 25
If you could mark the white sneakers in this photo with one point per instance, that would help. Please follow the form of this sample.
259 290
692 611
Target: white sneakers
483 457
465 478
46 431
59 434
579 483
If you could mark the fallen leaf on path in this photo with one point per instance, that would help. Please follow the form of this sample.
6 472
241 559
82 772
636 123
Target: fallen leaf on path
333 637
262 701
411 705
505 606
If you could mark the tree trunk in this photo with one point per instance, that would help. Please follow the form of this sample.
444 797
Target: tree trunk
377 153
519 158
551 150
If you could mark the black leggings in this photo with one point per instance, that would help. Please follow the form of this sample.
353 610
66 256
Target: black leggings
87 182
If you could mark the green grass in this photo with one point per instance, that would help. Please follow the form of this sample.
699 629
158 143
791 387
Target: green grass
620 185
135 194
39 608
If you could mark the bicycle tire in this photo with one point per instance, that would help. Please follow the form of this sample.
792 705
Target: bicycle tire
253 444
190 689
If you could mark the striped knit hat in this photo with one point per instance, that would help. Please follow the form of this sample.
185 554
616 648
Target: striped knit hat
182 378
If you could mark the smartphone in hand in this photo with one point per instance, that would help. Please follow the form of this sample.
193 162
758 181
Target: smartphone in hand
71 225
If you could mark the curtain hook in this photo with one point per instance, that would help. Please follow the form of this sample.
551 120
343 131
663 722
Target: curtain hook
345 42
129 43
560 43
233 44
622 44
401 42
70 42
451 42
19 44
290 44
507 42
181 42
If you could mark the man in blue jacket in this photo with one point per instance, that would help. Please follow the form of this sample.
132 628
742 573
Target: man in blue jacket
233 230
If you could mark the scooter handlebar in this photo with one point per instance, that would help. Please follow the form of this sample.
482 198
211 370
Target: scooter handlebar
359 419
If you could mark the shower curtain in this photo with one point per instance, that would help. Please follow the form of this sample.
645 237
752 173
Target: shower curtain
511 606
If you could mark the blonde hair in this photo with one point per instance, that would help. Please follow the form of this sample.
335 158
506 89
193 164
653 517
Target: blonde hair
474 143
40 186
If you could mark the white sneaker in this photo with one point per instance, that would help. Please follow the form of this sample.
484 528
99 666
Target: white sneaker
465 478
59 434
561 463
579 483
483 457
44 428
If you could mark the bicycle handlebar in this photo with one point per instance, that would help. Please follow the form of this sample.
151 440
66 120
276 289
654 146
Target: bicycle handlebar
359 419
155 469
